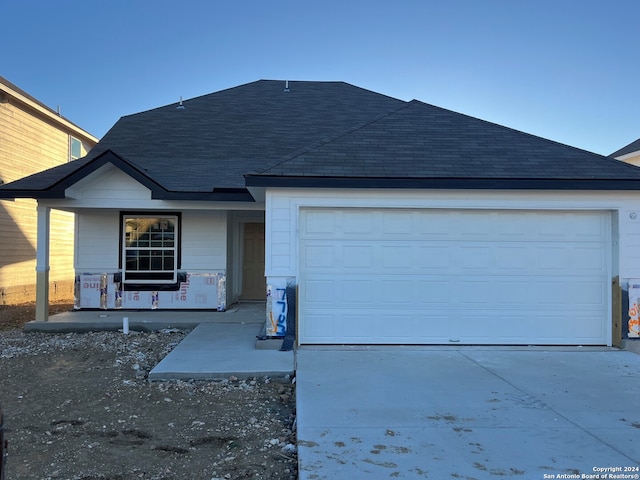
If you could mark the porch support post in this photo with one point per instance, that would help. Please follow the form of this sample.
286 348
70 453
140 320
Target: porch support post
42 264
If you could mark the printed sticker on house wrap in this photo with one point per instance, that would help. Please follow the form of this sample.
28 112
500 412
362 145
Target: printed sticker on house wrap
634 309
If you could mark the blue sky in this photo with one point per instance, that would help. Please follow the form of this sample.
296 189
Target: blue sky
567 70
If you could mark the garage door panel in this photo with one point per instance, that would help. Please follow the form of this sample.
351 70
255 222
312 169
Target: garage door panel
317 292
566 260
474 294
476 327
397 256
319 222
512 227
440 326
398 223
588 259
573 294
357 256
491 277
356 291
436 292
319 256
356 327
586 228
585 296
353 222
586 328
512 327
415 328
434 226
513 257
400 291
433 257
472 257
514 292
552 258
319 327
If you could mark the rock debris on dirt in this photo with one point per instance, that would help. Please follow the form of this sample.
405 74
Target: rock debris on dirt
79 406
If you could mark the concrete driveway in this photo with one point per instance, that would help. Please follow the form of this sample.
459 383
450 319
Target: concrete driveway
467 413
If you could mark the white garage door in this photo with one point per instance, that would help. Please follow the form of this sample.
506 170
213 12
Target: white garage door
395 276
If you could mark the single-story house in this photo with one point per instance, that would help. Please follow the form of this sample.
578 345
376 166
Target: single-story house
399 222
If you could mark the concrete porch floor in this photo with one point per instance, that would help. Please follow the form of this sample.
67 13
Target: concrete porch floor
221 343
147 320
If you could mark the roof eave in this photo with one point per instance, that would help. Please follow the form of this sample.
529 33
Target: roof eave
8 194
442 183
239 195
220 195
57 189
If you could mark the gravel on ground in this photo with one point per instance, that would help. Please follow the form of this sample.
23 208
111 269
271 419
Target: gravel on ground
79 406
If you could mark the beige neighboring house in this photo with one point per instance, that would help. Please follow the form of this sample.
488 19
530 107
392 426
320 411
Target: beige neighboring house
629 154
33 137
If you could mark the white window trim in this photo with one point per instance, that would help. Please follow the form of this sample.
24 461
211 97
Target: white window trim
175 248
71 140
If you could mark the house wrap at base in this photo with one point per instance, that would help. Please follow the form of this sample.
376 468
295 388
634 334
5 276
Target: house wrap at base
399 222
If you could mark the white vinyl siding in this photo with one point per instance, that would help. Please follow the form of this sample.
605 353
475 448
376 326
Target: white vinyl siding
204 241
110 186
454 276
97 241
280 236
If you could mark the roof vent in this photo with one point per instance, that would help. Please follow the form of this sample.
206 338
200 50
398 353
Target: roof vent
286 86
180 105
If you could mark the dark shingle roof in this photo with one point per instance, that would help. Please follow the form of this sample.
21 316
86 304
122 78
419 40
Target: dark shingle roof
219 137
423 141
632 147
258 134
216 139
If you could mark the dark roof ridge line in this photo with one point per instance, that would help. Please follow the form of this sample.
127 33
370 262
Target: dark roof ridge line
128 115
133 114
335 137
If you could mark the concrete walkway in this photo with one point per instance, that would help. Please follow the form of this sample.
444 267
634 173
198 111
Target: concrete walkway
466 413
221 343
216 350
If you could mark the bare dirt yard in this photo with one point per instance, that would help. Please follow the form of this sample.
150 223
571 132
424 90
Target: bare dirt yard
79 406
